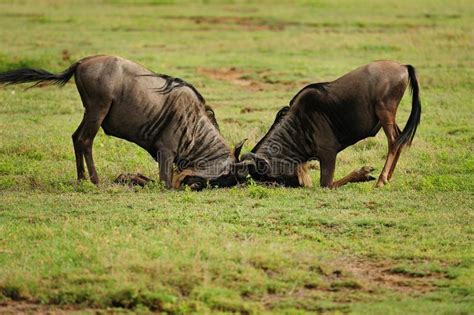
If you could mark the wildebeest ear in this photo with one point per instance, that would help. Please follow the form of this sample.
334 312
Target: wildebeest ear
212 116
210 113
237 149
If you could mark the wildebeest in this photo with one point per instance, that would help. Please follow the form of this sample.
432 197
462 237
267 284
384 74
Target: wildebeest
164 115
325 118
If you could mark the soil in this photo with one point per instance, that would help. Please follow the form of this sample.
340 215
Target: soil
27 307
233 75
260 80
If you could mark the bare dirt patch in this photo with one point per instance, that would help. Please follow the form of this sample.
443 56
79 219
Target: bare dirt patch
254 24
232 121
233 75
247 109
251 80
344 279
26 307
233 22
373 275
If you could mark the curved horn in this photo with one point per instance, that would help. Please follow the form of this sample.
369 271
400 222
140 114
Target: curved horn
241 169
237 149
249 156
257 163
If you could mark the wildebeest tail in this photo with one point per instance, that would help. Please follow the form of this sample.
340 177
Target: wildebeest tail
408 133
25 75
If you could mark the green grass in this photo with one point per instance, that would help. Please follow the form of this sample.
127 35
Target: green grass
405 248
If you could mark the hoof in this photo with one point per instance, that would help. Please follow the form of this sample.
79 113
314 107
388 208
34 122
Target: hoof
366 169
95 180
381 183
363 175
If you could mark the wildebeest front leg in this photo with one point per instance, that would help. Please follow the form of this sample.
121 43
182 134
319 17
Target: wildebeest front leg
133 179
165 159
357 176
327 161
328 165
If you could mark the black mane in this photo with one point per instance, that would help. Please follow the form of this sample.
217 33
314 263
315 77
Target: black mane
279 116
171 83
321 86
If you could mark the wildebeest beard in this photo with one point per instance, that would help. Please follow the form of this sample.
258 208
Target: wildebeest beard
280 155
210 174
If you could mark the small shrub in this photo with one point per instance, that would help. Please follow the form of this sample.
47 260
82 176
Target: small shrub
408 272
86 186
126 298
12 292
7 182
346 284
256 191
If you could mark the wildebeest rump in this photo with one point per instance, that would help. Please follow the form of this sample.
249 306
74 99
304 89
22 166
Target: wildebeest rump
325 118
164 115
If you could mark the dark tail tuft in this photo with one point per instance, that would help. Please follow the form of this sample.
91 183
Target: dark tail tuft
408 133
25 75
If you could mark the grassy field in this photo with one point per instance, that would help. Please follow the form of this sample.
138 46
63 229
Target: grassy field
405 248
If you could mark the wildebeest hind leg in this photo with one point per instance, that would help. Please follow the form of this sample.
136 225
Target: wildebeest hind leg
86 139
397 155
390 130
84 136
78 152
357 176
96 107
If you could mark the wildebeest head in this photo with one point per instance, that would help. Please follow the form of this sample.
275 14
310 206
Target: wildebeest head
203 159
226 173
276 158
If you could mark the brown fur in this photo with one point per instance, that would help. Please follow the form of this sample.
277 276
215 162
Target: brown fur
304 178
179 177
324 118
164 115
